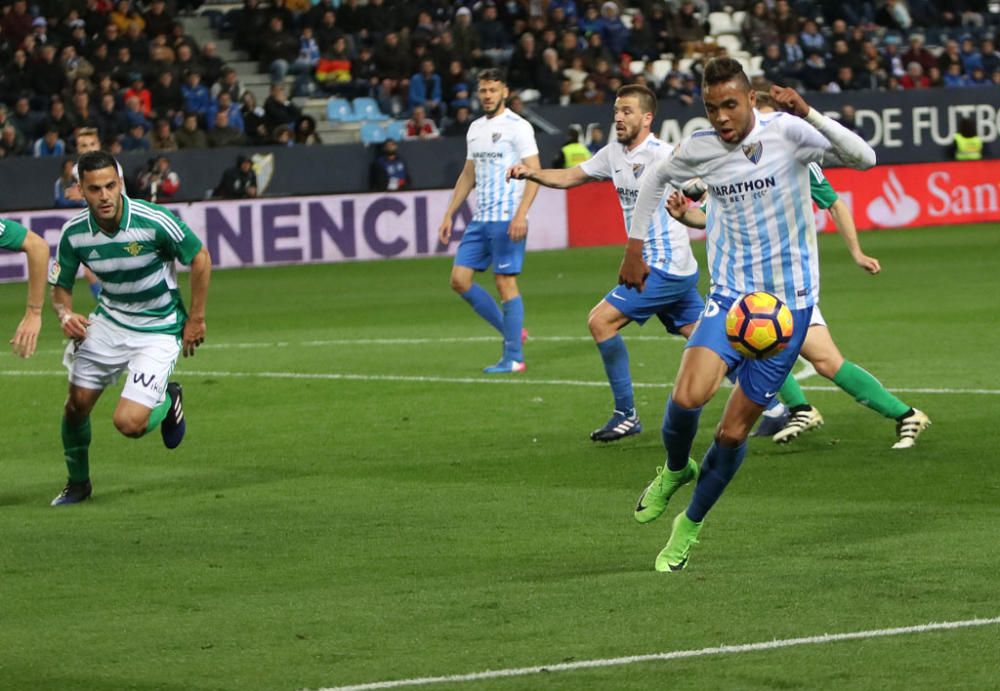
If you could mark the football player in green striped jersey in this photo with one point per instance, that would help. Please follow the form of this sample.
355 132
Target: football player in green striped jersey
140 325
14 236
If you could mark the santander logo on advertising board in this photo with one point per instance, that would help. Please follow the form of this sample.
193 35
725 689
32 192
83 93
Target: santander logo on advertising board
920 194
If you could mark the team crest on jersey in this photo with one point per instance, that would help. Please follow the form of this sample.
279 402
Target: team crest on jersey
637 169
133 248
496 137
753 151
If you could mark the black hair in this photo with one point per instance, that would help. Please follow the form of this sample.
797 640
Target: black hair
96 160
721 70
492 74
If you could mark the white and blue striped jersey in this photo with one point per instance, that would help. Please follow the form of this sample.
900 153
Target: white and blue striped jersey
667 245
494 145
760 229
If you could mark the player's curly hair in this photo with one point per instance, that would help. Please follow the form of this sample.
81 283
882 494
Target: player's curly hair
721 70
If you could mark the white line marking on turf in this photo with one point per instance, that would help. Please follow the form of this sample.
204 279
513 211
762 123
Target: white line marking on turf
424 379
673 655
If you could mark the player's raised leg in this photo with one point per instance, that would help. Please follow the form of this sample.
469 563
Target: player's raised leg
76 444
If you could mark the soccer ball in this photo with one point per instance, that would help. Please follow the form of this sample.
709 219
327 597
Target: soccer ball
759 325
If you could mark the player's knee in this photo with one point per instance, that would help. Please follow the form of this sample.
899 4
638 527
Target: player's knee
827 367
689 393
130 425
731 433
76 407
599 328
460 284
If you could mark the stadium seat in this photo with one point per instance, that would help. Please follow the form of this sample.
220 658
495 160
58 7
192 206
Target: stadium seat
339 110
372 133
755 62
366 108
730 42
720 23
396 130
636 66
684 65
738 18
660 69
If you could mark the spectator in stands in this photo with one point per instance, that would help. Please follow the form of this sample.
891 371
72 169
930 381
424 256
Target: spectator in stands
158 21
162 138
641 44
124 67
444 50
595 51
458 123
673 89
139 90
278 49
811 40
100 58
239 182
74 65
223 133
48 78
493 39
914 77
979 78
525 62
425 90
190 136
82 114
795 57
326 30
197 99
773 64
990 56
950 56
424 31
785 20
248 24
16 23
892 60
49 145
157 182
596 139
135 139
17 76
589 93
590 22
124 14
953 76
466 37
550 77
305 64
166 96
12 142
814 74
393 66
873 76
388 171
111 121
919 54
225 103
59 120
419 126
848 118
614 33
305 131
134 114
230 83
333 72
137 42
662 23
350 17
689 27
65 181
279 109
253 119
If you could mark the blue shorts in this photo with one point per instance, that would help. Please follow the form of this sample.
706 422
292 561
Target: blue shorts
487 241
759 379
674 299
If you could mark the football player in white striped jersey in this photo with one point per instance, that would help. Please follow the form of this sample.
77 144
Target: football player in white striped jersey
760 235
671 292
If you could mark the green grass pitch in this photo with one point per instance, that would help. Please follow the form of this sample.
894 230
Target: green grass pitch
355 502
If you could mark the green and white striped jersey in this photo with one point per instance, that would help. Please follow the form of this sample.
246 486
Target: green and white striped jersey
135 264
12 234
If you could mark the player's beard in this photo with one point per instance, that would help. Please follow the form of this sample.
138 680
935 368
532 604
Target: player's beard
496 108
627 135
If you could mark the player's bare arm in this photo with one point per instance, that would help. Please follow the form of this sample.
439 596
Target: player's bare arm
518 228
790 100
466 181
26 336
633 270
691 216
557 178
73 325
844 223
194 327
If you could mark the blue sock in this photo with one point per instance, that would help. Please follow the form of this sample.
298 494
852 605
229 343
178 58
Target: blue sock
615 356
679 427
513 321
718 468
485 306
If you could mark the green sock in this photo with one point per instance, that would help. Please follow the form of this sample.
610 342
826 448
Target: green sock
791 393
157 414
76 445
867 390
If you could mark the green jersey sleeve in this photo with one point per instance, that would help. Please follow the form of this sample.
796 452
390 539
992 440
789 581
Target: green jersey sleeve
176 238
12 234
63 271
819 187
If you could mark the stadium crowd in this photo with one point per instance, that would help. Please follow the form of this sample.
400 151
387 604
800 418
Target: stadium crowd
129 70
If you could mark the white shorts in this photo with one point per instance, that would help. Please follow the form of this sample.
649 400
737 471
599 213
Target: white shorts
99 360
817 317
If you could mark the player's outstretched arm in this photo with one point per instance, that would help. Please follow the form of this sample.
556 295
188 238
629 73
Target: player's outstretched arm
466 181
73 325
680 209
558 178
26 336
844 223
848 148
518 228
194 327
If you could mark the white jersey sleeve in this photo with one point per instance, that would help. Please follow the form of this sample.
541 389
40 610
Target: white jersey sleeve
598 166
822 139
524 140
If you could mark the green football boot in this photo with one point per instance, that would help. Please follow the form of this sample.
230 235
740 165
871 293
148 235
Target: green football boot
653 500
674 556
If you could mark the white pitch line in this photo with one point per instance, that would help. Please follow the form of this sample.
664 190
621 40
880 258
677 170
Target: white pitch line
673 655
425 379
